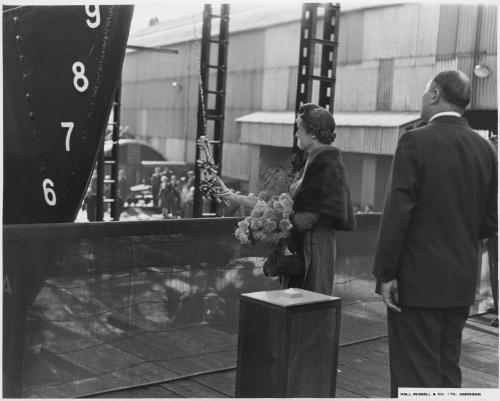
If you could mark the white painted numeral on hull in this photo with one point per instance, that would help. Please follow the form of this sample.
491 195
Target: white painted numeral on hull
80 81
48 192
93 14
69 125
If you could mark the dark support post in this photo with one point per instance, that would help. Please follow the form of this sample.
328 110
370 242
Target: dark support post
216 115
100 183
111 160
220 95
202 103
116 206
329 57
328 64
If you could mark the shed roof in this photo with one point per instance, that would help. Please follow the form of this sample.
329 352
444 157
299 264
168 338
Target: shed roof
342 119
241 18
361 132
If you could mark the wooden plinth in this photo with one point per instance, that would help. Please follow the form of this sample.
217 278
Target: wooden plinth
287 344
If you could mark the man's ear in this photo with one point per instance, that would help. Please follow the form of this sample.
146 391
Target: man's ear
435 95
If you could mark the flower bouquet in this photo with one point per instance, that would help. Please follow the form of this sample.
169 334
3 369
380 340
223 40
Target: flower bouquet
269 225
269 221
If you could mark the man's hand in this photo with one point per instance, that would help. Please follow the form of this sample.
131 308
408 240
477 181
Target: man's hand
390 293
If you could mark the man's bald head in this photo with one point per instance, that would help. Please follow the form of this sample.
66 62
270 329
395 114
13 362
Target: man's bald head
455 87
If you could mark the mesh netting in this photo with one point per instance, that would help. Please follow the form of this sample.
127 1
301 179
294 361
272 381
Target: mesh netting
126 304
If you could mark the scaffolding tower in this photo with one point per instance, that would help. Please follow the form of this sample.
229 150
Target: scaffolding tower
209 96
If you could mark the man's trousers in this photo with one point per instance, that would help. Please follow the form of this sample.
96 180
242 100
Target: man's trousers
424 347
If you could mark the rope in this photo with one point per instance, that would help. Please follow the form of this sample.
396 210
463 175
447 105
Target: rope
200 79
12 9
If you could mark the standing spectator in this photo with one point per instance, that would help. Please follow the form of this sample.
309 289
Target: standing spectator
184 192
189 205
162 196
442 199
173 196
155 185
492 245
107 191
368 209
90 202
123 188
190 178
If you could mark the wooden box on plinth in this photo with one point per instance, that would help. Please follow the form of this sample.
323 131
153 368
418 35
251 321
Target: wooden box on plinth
287 344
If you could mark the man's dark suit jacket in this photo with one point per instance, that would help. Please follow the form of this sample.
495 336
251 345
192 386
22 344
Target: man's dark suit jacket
441 199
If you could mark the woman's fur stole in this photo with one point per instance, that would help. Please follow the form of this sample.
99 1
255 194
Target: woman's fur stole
324 190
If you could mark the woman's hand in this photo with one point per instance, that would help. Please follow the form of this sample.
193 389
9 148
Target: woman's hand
304 221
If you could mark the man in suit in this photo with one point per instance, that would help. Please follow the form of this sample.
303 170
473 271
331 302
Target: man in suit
441 199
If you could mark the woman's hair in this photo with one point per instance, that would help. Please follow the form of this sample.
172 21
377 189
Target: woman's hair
317 121
325 136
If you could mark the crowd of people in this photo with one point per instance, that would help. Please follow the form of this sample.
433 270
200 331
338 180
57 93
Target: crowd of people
173 195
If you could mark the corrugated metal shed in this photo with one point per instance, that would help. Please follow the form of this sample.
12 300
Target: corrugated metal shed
408 16
427 34
488 38
402 30
459 26
244 90
351 33
381 33
467 26
415 30
246 51
410 78
447 32
281 45
236 161
356 87
385 86
486 88
275 95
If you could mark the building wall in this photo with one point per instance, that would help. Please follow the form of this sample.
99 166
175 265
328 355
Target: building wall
403 46
386 56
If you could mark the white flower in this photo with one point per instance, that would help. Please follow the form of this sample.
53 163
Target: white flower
270 226
285 225
244 224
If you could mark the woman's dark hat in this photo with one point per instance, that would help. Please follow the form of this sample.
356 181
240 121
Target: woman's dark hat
317 116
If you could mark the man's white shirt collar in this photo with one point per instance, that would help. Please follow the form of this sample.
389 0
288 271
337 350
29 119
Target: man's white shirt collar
445 113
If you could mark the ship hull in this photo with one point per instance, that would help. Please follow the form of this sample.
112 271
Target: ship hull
61 66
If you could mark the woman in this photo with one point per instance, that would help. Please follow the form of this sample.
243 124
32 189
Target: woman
322 201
